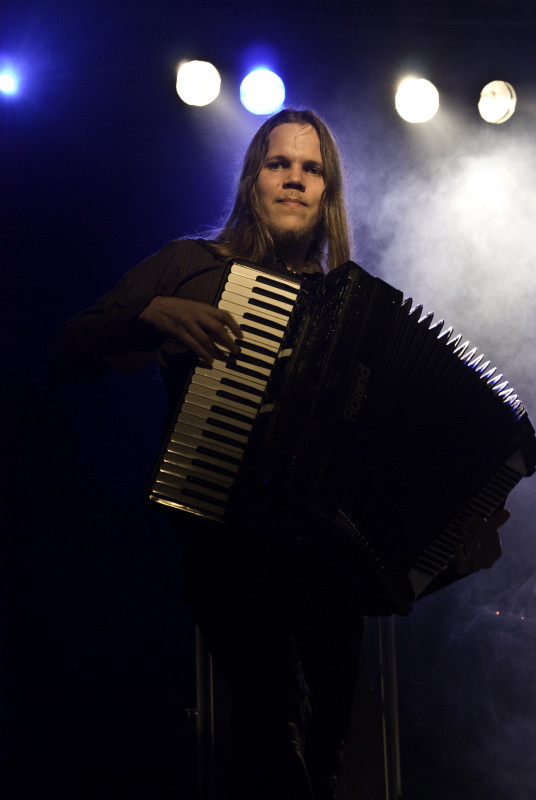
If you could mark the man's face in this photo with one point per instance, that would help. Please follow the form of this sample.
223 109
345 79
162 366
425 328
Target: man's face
291 182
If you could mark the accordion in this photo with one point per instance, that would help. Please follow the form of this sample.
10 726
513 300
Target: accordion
348 403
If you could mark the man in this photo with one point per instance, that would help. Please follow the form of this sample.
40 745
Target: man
279 617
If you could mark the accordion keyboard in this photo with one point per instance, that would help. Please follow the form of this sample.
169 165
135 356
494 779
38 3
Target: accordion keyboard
203 453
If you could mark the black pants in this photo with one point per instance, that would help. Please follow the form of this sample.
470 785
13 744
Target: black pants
283 627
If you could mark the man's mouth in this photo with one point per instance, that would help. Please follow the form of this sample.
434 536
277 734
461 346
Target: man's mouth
292 201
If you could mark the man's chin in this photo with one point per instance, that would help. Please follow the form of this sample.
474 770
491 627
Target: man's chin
291 237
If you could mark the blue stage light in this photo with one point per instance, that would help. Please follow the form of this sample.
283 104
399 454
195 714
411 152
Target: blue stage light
262 91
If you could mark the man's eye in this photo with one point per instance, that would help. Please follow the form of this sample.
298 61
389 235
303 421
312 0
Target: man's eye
274 165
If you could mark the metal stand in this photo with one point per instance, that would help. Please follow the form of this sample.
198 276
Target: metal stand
204 722
390 719
372 763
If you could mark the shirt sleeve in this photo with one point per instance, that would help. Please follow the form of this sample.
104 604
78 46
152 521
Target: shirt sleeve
109 335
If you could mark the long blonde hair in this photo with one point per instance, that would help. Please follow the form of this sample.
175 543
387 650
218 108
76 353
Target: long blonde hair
244 235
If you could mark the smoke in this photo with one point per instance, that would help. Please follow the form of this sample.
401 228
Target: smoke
456 232
475 685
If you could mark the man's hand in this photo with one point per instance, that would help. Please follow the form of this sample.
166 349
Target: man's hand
198 326
481 546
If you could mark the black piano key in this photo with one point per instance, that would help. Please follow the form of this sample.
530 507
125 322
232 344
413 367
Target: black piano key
285 288
193 416
181 478
219 371
194 447
254 301
246 293
291 289
265 334
203 407
186 459
259 326
234 384
197 472
277 296
209 451
227 426
268 311
174 462
256 348
219 437
194 427
265 322
215 453
232 396
243 370
190 497
237 394
251 391
207 398
208 487
209 415
256 361
228 412
209 466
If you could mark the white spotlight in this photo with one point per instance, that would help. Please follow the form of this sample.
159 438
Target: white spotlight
8 83
262 91
198 82
416 100
497 102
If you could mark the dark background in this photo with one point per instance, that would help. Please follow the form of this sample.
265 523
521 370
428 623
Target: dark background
101 164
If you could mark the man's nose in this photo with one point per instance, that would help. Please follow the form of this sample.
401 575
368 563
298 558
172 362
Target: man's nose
295 180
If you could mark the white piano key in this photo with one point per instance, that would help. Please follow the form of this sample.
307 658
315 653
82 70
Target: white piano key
219 371
208 411
193 452
247 286
189 496
254 307
256 332
255 291
217 422
208 396
180 478
253 355
193 436
290 284
173 462
263 323
246 364
249 396
193 426
257 351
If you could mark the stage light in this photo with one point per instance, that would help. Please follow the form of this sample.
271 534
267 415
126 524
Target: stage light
198 82
8 83
262 91
416 100
497 102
